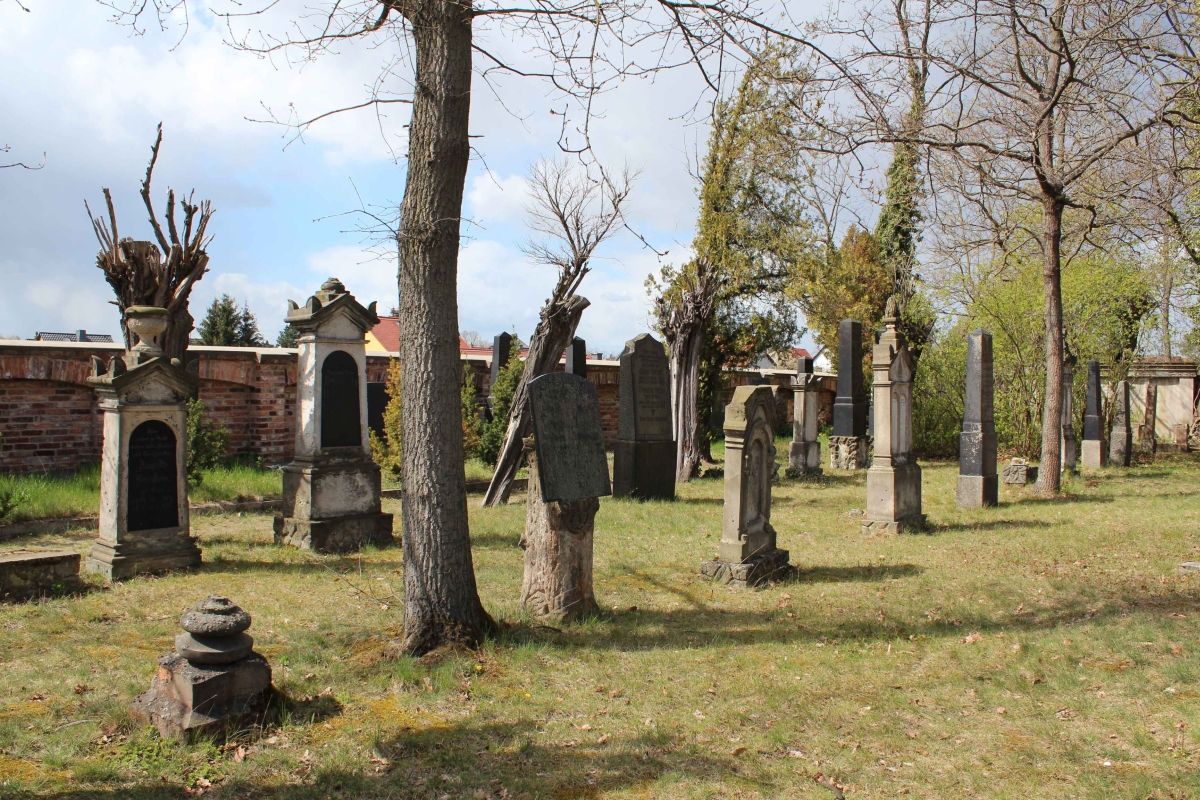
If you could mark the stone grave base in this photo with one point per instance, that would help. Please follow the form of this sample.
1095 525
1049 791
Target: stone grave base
757 570
889 527
144 553
188 700
848 452
1018 473
804 459
977 491
1092 454
25 574
338 535
644 470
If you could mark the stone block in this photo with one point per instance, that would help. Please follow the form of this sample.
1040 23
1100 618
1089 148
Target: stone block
338 535
1091 454
977 491
26 574
188 700
1019 473
849 452
758 570
143 553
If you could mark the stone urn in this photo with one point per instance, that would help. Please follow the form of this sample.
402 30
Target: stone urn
147 324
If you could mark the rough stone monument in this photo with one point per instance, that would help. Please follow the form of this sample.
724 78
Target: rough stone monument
331 487
1019 473
848 444
894 479
144 525
977 482
1120 442
568 471
1068 445
804 456
748 555
214 683
577 357
644 454
1092 454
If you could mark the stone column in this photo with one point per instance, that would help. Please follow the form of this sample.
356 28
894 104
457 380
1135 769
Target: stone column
644 453
1092 450
977 482
577 357
848 445
1120 443
894 479
804 457
1068 445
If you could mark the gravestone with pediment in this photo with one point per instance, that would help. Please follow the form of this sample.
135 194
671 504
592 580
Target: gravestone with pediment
894 479
1091 452
568 472
144 524
848 444
804 456
331 500
644 453
748 555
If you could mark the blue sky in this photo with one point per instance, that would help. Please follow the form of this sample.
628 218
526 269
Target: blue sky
89 94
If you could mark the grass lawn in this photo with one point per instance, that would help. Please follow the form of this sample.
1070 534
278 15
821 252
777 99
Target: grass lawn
1042 649
78 494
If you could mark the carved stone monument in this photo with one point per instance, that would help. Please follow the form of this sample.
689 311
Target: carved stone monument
331 487
894 479
568 471
144 525
214 683
977 482
577 357
804 457
848 444
748 555
1068 444
1120 443
1092 452
644 454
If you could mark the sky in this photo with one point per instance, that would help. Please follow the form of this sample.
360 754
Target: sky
82 100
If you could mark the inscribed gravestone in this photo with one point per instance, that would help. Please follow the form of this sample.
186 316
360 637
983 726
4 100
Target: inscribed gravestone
644 454
153 493
848 444
340 424
977 482
568 439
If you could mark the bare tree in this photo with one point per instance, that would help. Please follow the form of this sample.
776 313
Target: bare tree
575 213
160 273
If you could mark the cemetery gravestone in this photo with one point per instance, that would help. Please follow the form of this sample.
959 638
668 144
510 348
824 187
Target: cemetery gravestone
1120 446
568 471
501 350
977 483
848 444
1068 444
1019 473
644 454
577 357
331 500
144 523
748 555
1092 453
804 457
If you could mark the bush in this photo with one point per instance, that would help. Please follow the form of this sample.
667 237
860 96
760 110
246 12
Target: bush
938 390
207 443
472 424
491 436
10 500
387 450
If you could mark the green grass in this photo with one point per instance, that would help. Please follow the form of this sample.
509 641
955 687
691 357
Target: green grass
1038 649
78 494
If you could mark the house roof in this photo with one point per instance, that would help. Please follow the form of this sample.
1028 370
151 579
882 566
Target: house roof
387 335
77 336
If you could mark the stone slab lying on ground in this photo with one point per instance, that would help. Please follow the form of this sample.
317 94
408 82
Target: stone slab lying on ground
33 573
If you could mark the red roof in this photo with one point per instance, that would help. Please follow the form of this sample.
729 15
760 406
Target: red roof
387 333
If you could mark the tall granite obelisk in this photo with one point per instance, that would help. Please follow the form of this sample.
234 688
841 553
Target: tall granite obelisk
848 444
977 482
1068 444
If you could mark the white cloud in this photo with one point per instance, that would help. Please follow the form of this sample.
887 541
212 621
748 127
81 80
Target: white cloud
493 199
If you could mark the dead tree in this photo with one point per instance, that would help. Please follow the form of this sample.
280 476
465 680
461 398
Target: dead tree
137 270
576 213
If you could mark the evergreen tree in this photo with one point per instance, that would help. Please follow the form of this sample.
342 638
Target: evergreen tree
248 334
288 336
225 324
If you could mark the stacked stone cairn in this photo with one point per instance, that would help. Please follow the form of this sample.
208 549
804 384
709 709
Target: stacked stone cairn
214 682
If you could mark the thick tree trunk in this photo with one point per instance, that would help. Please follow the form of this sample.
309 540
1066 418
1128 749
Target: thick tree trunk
554 331
558 553
441 601
1049 480
685 391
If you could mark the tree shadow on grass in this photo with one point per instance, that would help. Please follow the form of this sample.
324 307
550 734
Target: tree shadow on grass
1065 499
343 565
988 525
866 572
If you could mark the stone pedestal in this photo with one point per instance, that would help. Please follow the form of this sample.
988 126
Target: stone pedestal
849 446
894 479
331 499
644 453
1092 452
977 483
144 525
748 555
849 452
1019 473
25 574
804 455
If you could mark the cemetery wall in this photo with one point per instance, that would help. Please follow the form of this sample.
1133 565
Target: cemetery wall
50 420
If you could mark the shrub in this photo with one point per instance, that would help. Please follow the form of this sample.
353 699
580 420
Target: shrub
207 443
938 390
491 436
472 424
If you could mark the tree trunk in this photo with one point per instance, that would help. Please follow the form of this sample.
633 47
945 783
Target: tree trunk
441 601
558 553
1049 480
554 331
685 391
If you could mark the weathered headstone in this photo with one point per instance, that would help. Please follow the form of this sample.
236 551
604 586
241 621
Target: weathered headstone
1019 473
214 683
144 525
501 350
577 357
1120 443
331 501
804 457
1092 452
977 483
748 555
644 453
894 479
848 444
1068 444
568 471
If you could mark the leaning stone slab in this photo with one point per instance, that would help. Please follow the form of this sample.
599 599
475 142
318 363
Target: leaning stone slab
26 574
